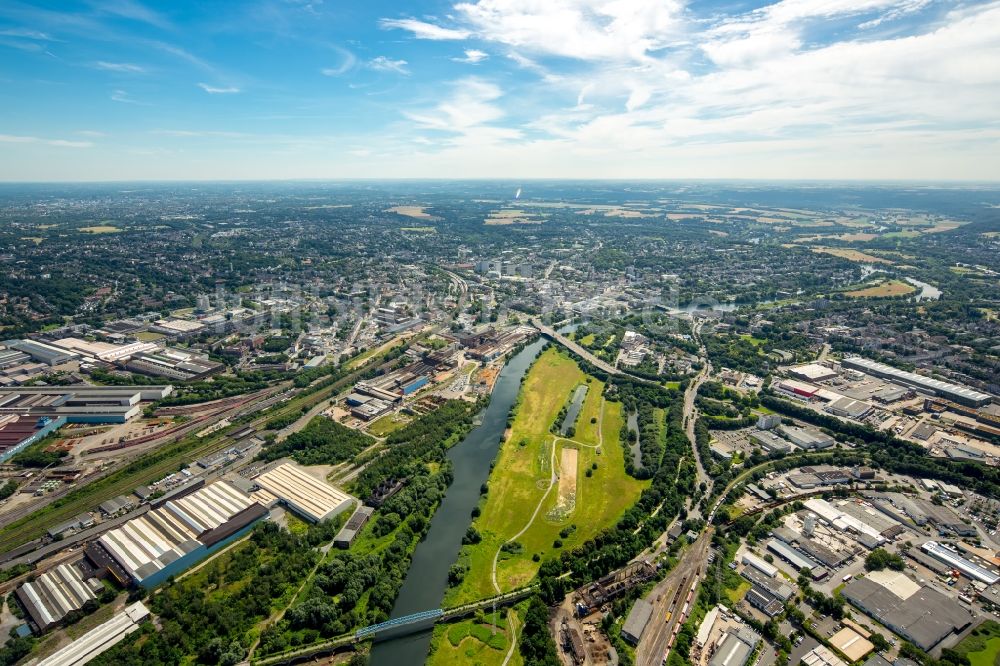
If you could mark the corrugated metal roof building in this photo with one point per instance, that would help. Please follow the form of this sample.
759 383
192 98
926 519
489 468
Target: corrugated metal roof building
168 539
100 638
309 497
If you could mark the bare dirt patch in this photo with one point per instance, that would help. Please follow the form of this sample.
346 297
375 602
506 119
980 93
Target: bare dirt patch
567 480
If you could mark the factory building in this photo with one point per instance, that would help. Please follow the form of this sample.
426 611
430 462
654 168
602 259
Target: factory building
17 433
735 648
169 539
960 394
953 559
307 496
175 364
56 593
812 372
760 565
103 351
797 389
862 521
921 615
770 442
636 621
850 408
764 602
797 558
806 438
42 352
776 587
345 537
80 403
100 639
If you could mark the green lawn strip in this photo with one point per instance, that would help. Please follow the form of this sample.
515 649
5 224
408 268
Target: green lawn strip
521 476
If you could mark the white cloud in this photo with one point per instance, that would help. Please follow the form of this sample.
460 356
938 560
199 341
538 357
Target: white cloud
424 30
384 64
583 29
468 115
123 67
472 56
125 98
217 90
348 63
26 33
60 143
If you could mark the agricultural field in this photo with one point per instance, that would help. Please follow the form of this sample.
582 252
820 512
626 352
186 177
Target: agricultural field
416 212
851 255
532 510
886 289
101 229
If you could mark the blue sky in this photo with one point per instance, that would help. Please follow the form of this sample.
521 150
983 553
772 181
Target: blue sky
848 89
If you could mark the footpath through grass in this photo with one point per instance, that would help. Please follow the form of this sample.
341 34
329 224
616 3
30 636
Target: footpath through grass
521 477
483 641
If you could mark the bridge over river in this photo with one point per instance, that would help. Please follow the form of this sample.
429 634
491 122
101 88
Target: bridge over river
395 628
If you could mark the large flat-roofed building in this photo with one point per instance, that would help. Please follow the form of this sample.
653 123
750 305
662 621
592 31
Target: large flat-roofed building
100 639
812 372
795 557
806 438
636 621
55 594
175 364
103 351
924 617
760 565
822 656
854 519
172 537
967 567
17 433
770 442
311 498
849 407
80 403
852 644
960 394
735 648
42 352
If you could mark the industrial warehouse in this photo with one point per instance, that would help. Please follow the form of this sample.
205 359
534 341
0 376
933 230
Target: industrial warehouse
80 403
57 593
920 614
100 639
30 413
167 540
960 394
309 497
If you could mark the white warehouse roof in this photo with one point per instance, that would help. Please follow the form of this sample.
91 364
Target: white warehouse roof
150 542
303 493
99 639
970 569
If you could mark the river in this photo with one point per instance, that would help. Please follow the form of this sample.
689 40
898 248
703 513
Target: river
427 579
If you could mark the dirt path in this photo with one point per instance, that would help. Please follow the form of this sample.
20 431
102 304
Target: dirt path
553 477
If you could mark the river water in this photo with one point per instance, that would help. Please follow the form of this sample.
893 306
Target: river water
427 579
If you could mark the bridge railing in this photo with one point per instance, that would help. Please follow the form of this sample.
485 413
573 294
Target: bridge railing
398 622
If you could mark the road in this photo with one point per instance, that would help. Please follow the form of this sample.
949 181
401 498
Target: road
690 413
670 596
